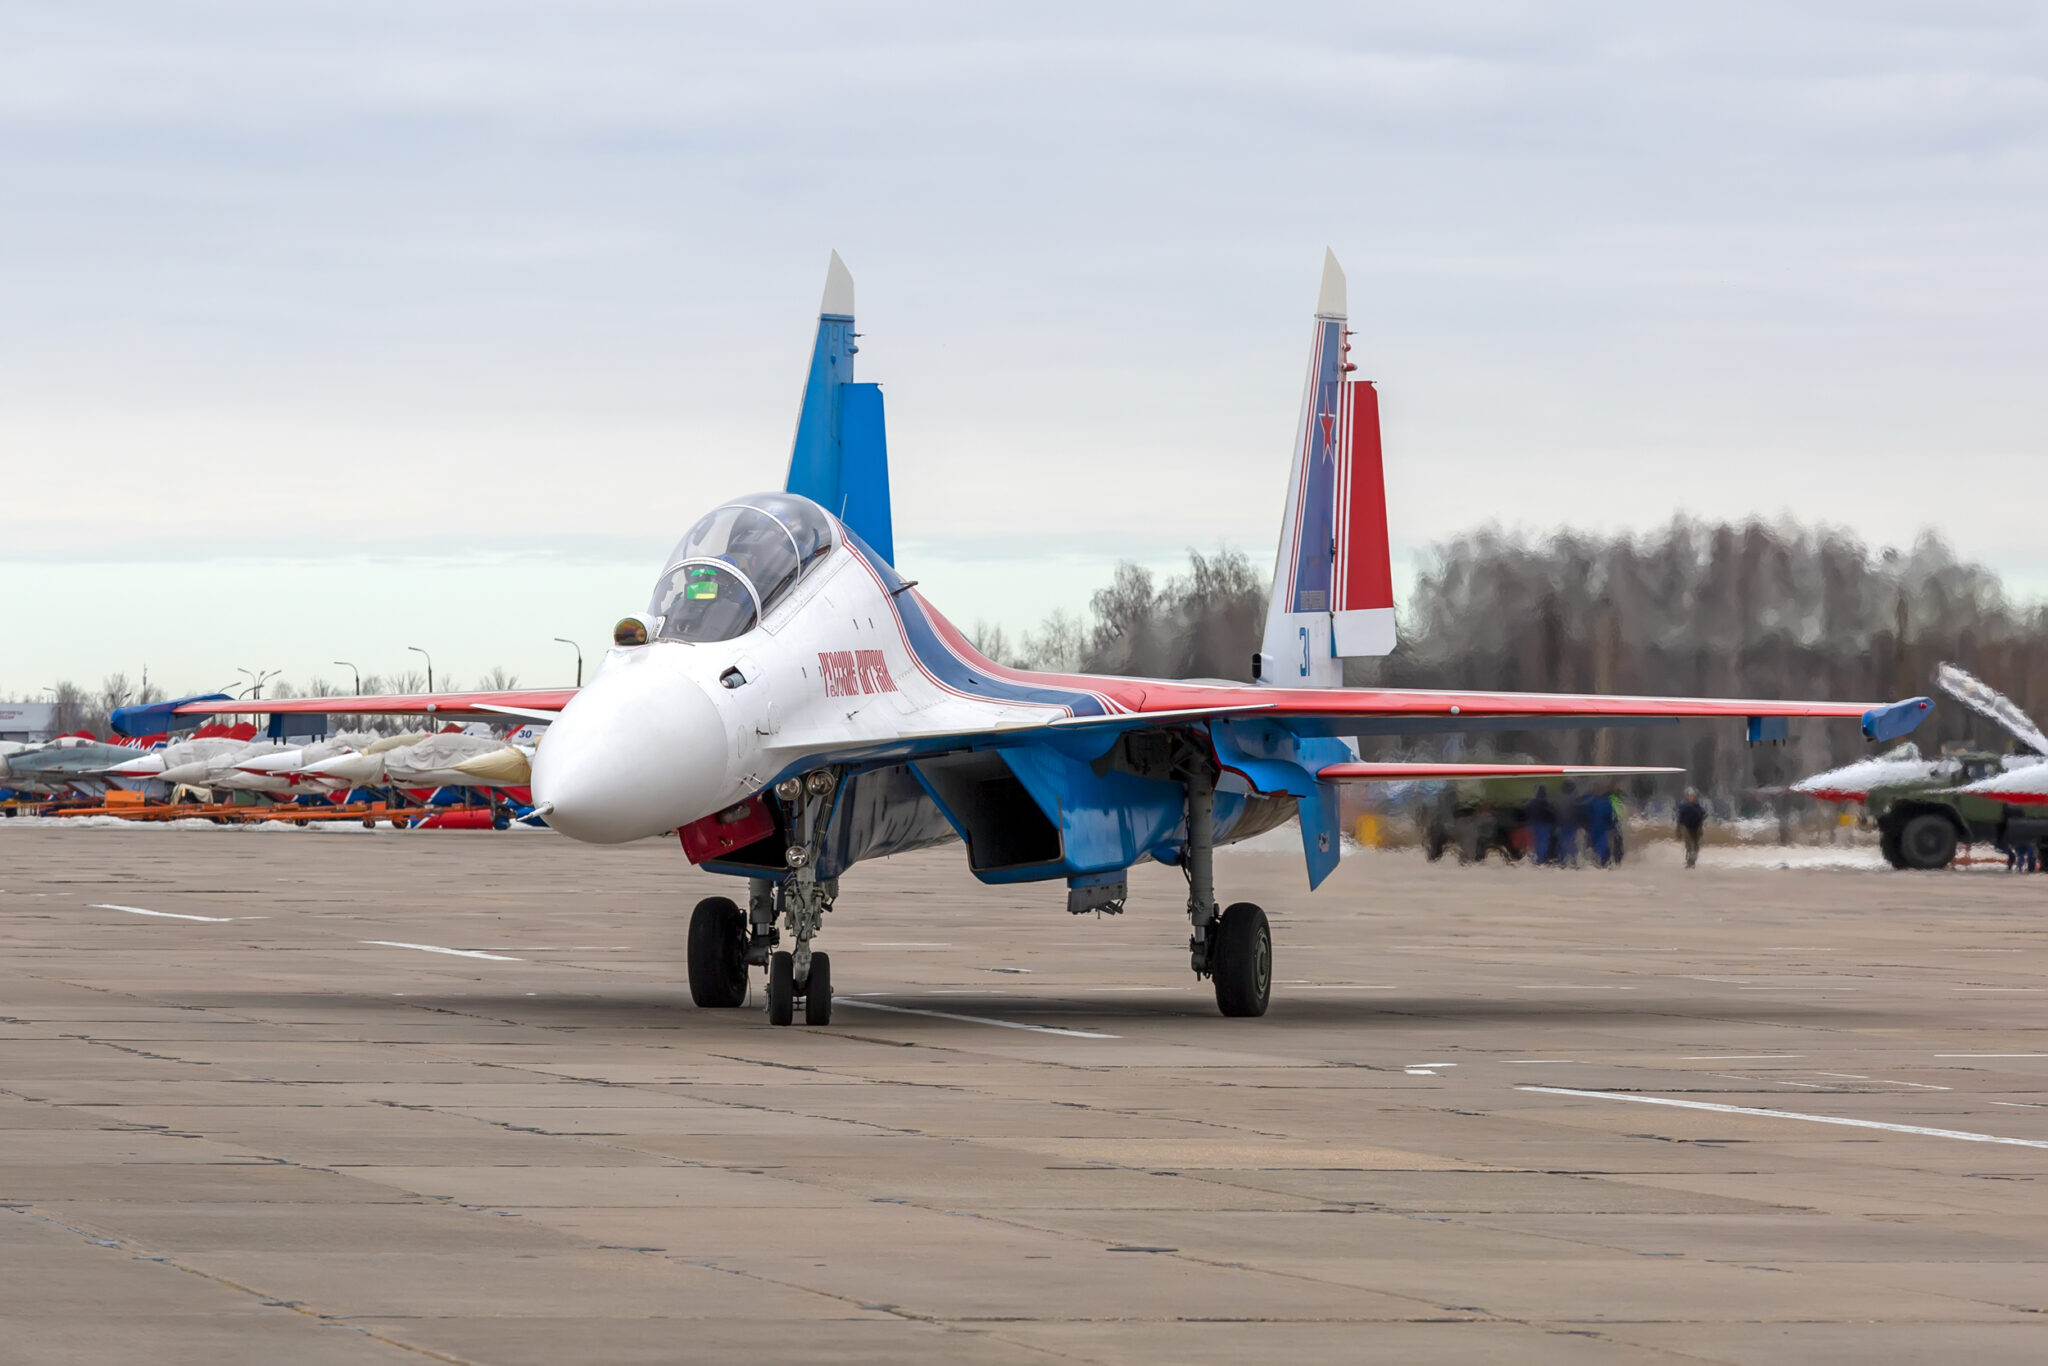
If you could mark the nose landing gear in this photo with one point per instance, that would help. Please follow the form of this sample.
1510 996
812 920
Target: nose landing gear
725 941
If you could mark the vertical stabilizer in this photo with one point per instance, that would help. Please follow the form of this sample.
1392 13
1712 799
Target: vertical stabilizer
1333 590
840 458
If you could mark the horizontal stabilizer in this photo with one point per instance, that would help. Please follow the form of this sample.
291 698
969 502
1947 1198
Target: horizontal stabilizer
1361 772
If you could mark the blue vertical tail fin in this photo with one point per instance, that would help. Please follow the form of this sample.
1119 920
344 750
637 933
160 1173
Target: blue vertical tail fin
840 458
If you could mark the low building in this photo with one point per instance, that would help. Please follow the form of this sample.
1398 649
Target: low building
27 720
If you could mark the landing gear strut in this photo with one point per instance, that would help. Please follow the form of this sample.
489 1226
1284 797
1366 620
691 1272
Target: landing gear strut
804 898
726 941
1233 948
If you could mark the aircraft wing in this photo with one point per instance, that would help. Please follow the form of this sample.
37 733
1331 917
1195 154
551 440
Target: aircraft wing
533 703
1396 711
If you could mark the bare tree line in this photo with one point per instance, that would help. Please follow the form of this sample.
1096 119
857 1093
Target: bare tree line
1760 609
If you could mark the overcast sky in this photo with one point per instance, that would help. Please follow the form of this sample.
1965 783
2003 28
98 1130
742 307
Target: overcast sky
328 329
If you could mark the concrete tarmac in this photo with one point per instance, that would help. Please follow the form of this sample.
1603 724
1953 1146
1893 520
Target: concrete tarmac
339 1096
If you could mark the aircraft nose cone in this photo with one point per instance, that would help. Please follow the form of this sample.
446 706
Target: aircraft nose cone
638 752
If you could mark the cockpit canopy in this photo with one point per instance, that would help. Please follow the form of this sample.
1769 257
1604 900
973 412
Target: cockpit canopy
735 565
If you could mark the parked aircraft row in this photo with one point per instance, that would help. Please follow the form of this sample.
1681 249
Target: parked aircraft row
236 761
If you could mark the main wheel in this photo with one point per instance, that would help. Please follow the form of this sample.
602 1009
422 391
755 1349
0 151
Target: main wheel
1927 840
1243 961
718 954
818 991
781 989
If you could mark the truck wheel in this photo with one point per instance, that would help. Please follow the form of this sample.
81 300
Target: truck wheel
1927 841
1888 845
1433 843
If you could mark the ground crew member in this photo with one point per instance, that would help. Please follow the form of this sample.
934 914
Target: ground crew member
1692 818
1541 818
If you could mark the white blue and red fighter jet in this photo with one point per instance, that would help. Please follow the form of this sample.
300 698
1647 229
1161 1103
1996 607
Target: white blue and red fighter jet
793 705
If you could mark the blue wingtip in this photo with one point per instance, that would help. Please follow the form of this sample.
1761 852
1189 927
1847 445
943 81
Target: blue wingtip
154 718
1890 722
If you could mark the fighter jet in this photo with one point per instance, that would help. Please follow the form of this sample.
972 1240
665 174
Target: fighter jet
416 760
68 764
792 705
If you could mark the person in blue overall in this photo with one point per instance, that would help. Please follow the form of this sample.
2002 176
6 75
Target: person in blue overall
1541 818
1599 820
1570 816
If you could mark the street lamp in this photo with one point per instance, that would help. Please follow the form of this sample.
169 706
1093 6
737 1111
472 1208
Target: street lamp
430 665
579 657
354 670
257 680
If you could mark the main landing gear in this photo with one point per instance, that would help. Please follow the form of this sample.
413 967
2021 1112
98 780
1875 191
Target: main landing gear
1234 949
725 942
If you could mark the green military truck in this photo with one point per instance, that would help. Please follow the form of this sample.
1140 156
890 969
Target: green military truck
1921 824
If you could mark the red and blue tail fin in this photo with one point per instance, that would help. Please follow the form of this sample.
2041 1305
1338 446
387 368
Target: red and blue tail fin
1333 585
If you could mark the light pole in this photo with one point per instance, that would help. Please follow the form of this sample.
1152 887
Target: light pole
430 665
579 657
354 670
257 680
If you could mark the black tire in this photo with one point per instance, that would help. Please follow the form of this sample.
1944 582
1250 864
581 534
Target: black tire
1433 842
818 991
1888 845
718 954
1243 961
781 989
1927 841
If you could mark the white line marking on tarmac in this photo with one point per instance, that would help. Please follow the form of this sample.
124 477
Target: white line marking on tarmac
436 948
168 915
1921 1130
1514 1062
1739 1057
903 944
972 1019
1991 1055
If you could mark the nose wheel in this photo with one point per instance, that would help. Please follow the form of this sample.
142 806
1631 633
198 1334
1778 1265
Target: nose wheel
783 992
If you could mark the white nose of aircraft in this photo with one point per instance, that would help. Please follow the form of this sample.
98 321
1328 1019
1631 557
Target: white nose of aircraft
638 752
